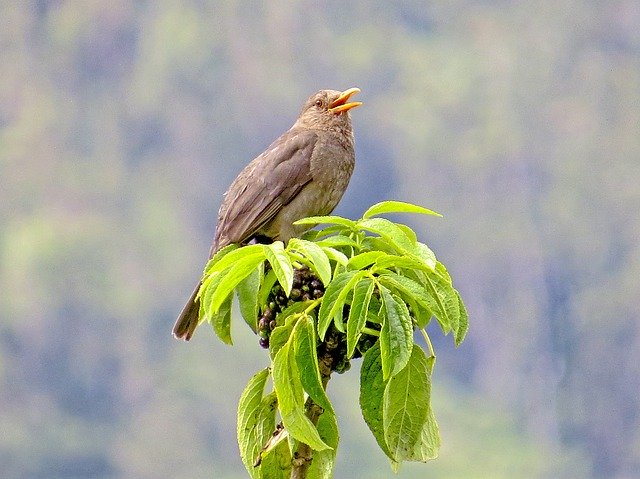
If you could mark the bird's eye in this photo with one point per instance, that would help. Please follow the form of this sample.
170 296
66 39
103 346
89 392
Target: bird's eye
319 103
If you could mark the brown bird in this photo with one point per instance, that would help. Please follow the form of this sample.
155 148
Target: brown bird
303 173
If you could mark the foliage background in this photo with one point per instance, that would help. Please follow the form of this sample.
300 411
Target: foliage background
122 125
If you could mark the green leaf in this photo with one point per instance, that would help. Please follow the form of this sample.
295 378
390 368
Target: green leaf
268 281
338 240
247 292
395 261
396 207
250 415
445 305
319 260
325 233
323 462
428 444
222 252
274 456
463 323
279 337
424 254
288 386
407 288
409 232
304 342
358 313
334 298
233 276
376 243
372 386
221 321
396 335
390 232
281 264
365 259
405 406
331 220
228 256
335 255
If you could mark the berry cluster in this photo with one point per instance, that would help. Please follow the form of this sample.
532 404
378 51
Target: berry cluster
306 286
335 344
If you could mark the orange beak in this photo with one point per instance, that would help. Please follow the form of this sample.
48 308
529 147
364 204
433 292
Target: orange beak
340 104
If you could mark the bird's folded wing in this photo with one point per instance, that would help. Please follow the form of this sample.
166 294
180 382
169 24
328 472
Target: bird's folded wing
264 187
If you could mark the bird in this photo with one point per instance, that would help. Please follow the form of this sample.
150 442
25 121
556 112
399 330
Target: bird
303 173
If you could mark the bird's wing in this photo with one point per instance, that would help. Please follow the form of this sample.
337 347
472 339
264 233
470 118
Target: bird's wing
266 185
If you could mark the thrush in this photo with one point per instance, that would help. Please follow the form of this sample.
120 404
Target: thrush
303 173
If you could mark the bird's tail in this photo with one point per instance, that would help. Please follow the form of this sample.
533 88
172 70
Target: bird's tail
188 319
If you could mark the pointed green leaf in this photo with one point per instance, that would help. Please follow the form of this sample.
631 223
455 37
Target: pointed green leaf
334 298
390 232
396 335
288 386
281 264
279 337
230 255
247 291
463 322
407 396
304 342
445 302
424 254
221 321
337 240
251 418
233 276
429 443
335 255
268 281
362 260
319 260
276 457
372 387
397 207
407 288
396 261
332 220
221 253
358 313
323 234
409 232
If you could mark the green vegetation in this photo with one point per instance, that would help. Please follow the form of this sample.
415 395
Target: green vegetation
350 289
121 127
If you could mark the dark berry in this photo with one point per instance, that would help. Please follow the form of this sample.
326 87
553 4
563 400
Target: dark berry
272 324
264 342
263 323
317 293
316 284
306 297
295 294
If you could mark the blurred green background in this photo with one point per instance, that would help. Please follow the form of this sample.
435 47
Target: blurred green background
122 123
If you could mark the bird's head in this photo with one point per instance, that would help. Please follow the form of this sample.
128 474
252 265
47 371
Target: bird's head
328 110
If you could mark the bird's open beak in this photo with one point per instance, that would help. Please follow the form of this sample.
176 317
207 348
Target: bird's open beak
340 104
